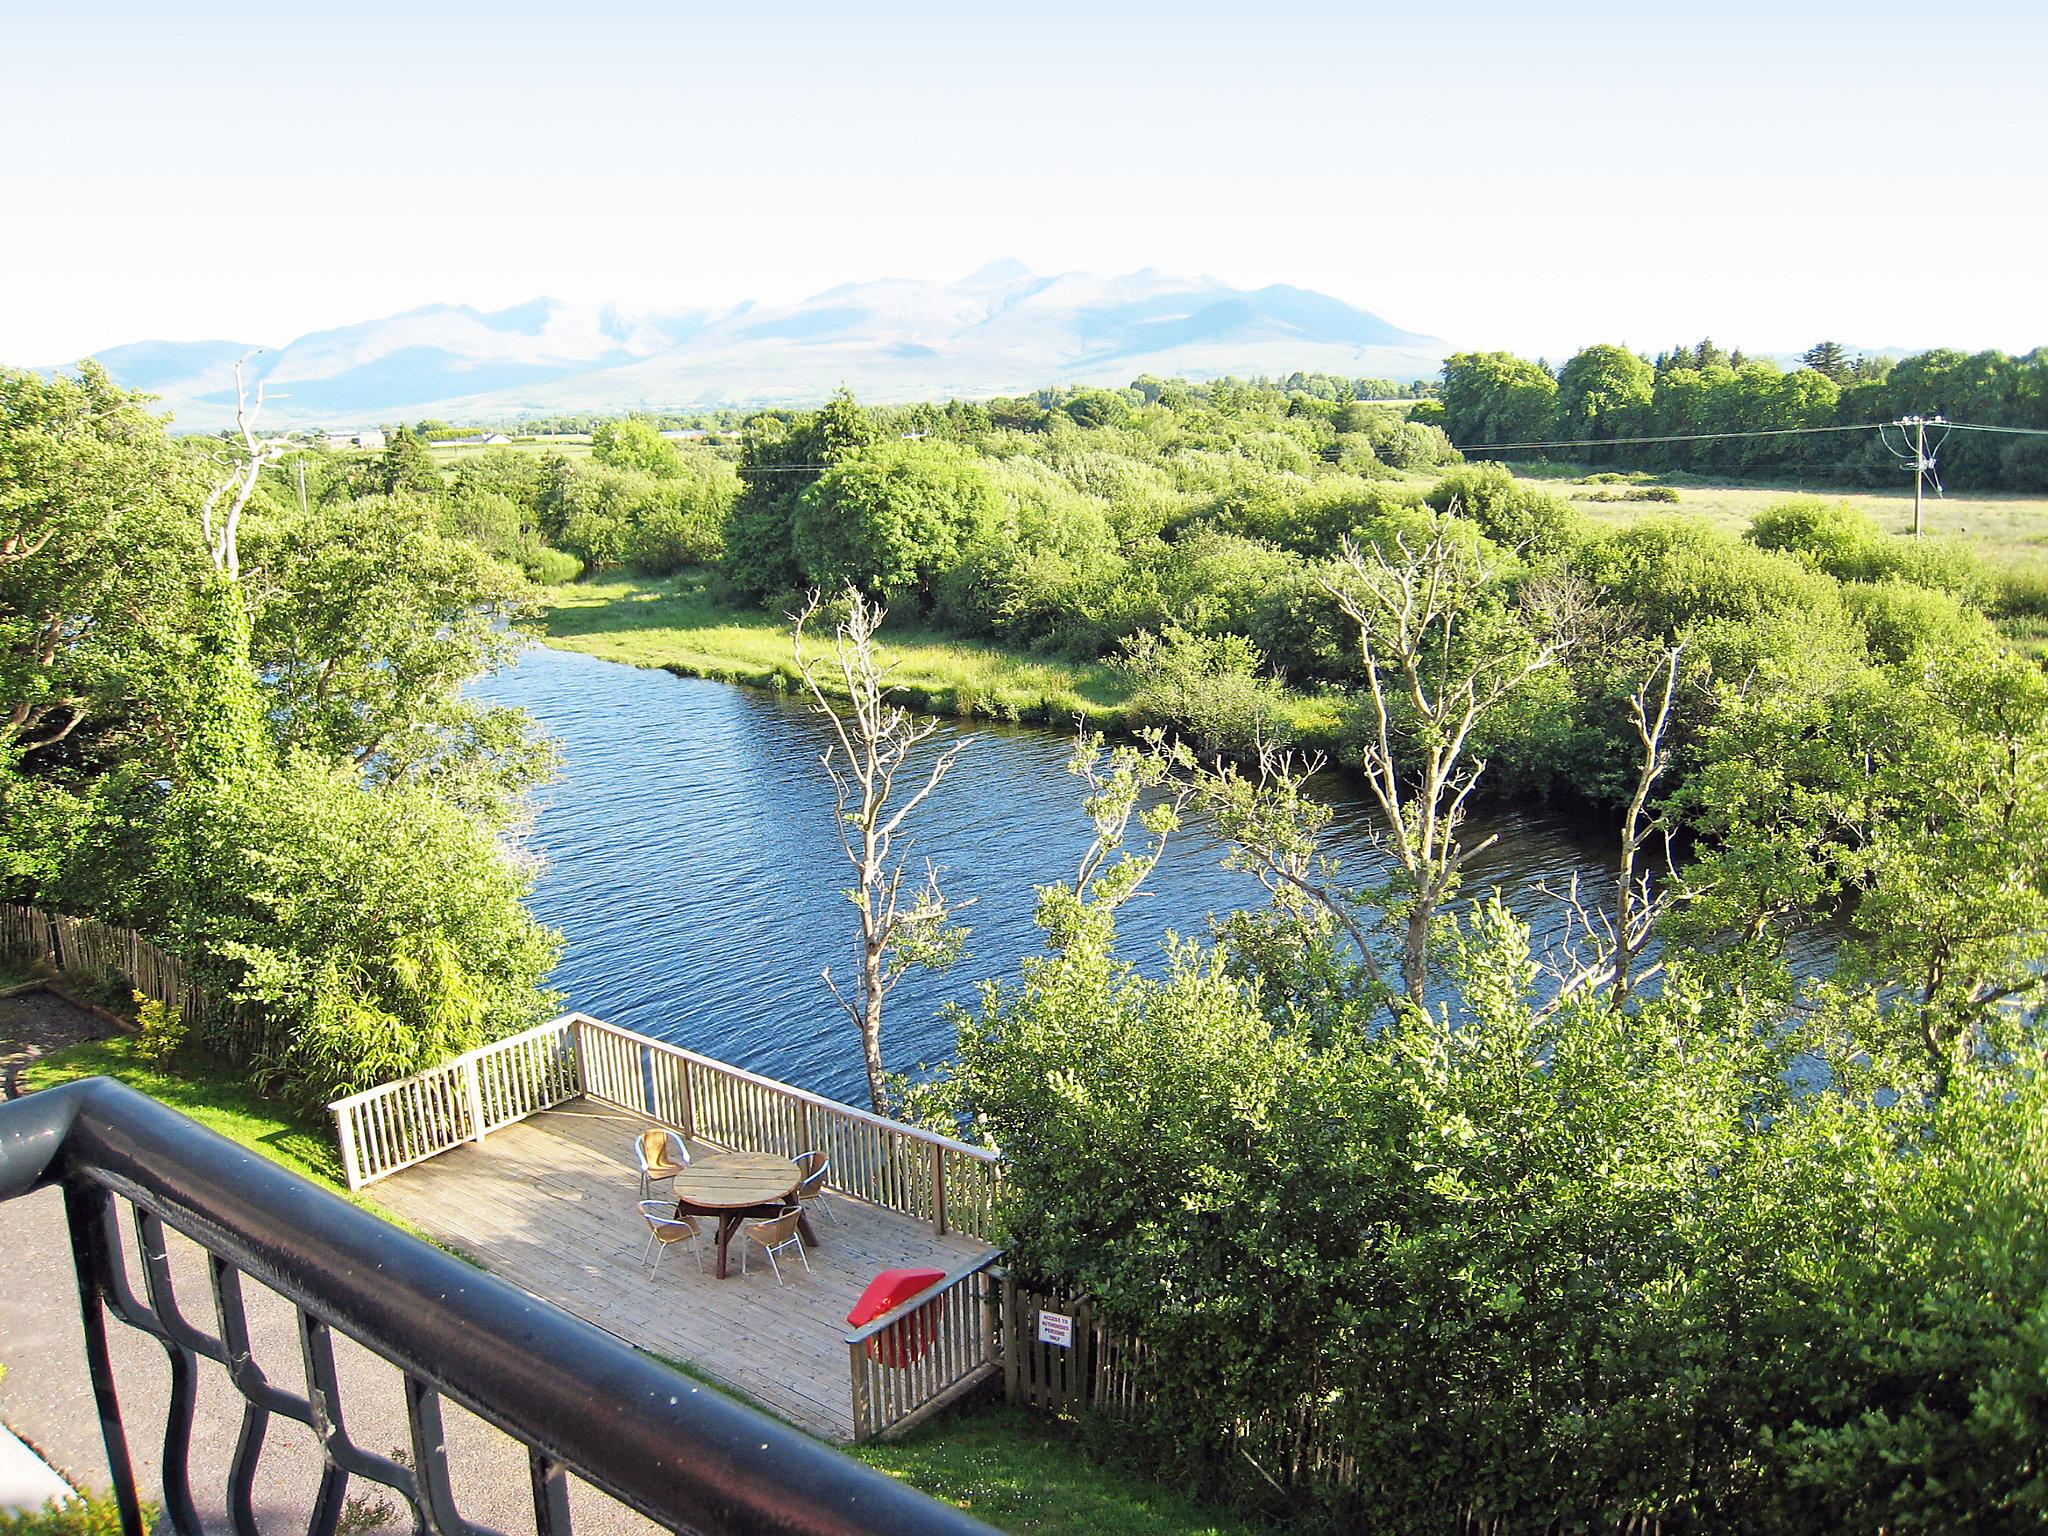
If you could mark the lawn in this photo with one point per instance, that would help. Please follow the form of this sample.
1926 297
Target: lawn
1031 1475
219 1097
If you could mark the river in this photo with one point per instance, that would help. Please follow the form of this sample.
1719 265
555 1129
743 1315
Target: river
688 855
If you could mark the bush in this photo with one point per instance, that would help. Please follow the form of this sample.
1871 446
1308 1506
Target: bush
1834 537
88 1514
1509 512
375 929
1207 689
1569 1268
549 567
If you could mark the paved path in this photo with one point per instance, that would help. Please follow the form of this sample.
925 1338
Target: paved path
46 1398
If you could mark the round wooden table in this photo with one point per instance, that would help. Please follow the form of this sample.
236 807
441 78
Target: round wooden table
735 1185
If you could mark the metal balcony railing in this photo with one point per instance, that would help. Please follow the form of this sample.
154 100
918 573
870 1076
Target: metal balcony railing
584 1404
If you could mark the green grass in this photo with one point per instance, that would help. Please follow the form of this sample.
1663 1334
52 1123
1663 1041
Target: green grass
217 1096
682 625
1031 1475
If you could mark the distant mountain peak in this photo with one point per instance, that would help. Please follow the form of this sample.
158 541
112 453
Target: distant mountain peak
1004 269
1000 330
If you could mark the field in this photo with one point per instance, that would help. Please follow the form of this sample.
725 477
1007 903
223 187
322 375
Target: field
2009 531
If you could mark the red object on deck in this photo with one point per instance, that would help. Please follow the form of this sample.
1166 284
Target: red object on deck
905 1343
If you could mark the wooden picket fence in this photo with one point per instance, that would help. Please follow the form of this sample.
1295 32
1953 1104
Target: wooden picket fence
74 944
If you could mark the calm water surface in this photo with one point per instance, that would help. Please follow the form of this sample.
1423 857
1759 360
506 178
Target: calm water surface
689 856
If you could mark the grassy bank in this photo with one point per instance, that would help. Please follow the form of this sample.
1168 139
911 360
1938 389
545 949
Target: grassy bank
682 625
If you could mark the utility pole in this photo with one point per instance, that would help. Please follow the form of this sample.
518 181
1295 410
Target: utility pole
1923 465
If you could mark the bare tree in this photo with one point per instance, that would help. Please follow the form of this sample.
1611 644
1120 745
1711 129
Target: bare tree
1443 649
239 484
873 742
1610 946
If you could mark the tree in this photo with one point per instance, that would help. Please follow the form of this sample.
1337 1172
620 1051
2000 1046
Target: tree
1831 360
1496 397
871 747
635 443
889 518
1446 641
405 465
1604 391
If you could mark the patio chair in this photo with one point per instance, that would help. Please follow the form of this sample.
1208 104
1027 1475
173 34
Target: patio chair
813 1165
665 1229
776 1234
661 1155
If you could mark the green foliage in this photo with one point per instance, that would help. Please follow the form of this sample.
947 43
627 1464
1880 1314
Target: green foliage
889 518
1207 688
86 1514
159 1029
276 777
637 444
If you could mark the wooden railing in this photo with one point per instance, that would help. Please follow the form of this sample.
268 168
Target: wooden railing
948 1183
934 1348
900 1167
86 944
395 1125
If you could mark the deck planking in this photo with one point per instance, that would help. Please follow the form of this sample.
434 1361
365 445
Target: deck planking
549 1204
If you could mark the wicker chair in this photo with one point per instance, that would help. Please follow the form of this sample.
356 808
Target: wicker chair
776 1234
813 1165
661 1155
665 1229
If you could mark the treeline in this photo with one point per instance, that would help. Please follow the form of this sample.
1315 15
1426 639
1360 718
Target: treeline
1607 392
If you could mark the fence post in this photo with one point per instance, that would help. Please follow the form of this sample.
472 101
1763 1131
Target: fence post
345 1133
1010 1344
863 1409
1081 1367
474 1090
938 1189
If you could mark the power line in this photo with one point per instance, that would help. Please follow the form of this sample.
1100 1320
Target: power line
1676 437
1965 426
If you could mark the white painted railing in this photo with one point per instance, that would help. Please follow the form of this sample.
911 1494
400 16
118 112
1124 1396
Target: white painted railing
948 1183
913 1360
395 1125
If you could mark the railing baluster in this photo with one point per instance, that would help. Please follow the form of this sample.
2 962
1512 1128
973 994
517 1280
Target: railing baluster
550 1495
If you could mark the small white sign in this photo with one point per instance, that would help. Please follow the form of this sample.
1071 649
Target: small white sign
1056 1328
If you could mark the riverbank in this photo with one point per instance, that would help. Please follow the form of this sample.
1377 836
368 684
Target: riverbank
681 625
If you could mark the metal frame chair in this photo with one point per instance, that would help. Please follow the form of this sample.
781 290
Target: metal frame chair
673 1159
667 1229
812 1189
776 1233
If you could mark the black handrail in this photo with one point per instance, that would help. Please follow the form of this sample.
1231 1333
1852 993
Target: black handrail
581 1401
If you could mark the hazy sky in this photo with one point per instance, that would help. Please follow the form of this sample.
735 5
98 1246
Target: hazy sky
1518 175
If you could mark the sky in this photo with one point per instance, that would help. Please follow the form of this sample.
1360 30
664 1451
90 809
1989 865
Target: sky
1497 175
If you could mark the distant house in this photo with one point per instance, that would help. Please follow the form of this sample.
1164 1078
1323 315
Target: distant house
473 440
343 438
686 435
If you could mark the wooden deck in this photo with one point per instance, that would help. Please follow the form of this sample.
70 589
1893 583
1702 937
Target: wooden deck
549 1204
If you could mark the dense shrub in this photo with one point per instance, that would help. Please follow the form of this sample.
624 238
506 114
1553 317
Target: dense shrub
1209 689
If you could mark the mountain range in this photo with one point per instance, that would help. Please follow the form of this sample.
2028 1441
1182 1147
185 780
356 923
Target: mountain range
1001 330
